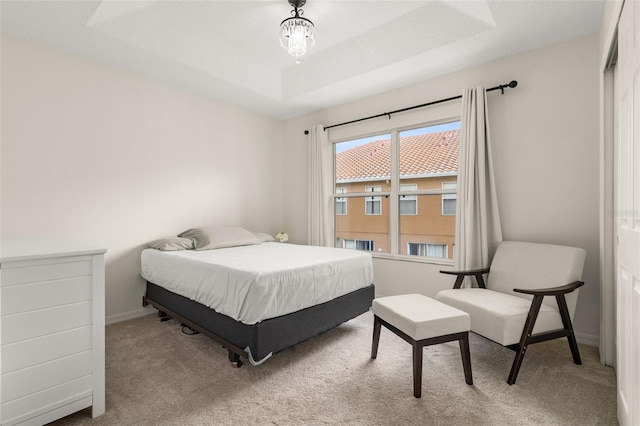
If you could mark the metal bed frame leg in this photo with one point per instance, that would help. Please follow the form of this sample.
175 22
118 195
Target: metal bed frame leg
236 361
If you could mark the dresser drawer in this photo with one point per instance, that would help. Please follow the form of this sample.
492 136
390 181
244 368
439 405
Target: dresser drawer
27 353
45 270
47 400
38 323
43 376
45 294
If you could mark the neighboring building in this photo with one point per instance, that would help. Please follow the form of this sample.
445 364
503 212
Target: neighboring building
427 222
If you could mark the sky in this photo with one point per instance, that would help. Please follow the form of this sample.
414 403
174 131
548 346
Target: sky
343 146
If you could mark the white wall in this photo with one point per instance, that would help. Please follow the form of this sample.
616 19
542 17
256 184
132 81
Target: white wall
109 158
545 138
98 155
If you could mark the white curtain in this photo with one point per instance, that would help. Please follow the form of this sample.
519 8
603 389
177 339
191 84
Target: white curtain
320 216
478 230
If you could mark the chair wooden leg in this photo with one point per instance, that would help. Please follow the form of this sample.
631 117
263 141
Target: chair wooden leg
376 337
524 339
566 321
573 345
417 370
466 358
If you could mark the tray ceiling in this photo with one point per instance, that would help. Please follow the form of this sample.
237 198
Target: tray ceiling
229 50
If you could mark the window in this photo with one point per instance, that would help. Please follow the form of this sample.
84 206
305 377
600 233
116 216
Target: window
366 245
401 191
372 205
341 202
408 203
429 250
449 200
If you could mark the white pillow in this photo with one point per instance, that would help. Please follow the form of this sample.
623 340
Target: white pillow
171 244
265 238
214 237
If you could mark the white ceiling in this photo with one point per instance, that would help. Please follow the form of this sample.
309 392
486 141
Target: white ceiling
229 49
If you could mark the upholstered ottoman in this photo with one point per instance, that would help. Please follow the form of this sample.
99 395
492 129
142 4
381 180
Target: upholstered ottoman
422 321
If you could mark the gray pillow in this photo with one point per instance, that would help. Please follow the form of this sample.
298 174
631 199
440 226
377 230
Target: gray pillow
172 244
214 237
265 238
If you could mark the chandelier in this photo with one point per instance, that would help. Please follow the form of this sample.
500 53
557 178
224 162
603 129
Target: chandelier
296 33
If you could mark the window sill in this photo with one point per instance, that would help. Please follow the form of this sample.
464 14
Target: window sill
414 259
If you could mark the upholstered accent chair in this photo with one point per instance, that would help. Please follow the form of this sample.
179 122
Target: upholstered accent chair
530 296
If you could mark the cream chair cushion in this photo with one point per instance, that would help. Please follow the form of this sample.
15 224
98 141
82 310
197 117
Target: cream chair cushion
499 316
532 266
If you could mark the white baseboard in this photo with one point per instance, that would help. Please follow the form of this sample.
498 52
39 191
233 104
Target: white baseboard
141 312
588 339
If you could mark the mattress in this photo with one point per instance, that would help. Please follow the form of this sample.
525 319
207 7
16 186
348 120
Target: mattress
257 282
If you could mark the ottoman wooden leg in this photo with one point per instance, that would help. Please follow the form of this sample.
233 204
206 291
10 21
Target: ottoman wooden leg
466 358
417 369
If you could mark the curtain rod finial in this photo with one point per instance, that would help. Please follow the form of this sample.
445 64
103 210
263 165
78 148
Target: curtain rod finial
513 84
306 132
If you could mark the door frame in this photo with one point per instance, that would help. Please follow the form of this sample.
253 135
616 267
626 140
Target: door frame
608 133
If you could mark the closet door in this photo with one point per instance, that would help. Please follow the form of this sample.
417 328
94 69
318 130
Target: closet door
628 215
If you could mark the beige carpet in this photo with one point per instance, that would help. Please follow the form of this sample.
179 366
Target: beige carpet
156 375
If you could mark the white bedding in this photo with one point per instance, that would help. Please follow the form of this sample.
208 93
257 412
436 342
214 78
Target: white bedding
257 282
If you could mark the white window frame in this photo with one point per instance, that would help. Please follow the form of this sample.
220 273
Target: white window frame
393 192
452 185
355 242
373 200
341 200
426 247
408 187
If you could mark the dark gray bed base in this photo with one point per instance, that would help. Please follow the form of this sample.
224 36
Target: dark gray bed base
269 336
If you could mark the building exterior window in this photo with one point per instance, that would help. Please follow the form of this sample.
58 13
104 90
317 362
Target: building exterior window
428 250
366 245
373 205
408 203
341 202
449 200
412 174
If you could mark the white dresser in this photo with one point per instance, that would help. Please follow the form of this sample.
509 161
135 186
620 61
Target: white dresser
52 321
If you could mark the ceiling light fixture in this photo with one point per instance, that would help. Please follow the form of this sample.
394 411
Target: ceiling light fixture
296 33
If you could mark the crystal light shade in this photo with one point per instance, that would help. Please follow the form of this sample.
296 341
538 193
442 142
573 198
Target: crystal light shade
296 33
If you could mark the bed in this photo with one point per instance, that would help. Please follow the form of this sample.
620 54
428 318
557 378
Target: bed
259 298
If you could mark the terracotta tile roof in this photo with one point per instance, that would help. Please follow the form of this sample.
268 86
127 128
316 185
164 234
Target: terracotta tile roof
420 155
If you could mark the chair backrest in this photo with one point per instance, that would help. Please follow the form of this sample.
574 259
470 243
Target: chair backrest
532 265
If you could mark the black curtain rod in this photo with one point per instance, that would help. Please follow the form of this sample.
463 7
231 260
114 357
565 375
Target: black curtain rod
501 87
